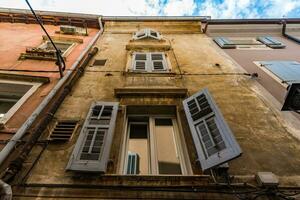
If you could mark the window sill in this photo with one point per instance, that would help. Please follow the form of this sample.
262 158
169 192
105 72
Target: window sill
156 73
141 91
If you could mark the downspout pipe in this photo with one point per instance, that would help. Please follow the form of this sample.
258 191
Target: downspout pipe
9 147
287 35
5 191
17 163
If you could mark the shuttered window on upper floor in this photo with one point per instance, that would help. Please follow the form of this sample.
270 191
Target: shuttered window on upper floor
287 71
271 42
91 151
147 33
248 42
213 139
149 62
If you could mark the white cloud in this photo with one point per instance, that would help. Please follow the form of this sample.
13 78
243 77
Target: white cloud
179 7
225 9
281 8
248 8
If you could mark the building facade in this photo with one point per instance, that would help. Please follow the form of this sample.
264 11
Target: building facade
159 112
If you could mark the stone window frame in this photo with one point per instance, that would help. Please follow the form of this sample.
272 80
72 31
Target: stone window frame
149 67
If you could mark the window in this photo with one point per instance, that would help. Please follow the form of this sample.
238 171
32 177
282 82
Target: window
149 62
248 43
63 46
46 51
146 33
287 71
213 139
92 148
152 145
12 95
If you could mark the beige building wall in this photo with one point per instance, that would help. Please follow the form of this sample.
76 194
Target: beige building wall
196 63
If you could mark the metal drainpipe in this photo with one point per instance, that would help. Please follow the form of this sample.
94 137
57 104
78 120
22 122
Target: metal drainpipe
287 35
16 164
34 116
5 191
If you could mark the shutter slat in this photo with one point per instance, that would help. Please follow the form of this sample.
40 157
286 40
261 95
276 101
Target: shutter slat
213 139
91 151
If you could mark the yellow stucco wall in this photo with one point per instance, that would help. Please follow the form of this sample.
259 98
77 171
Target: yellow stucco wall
266 143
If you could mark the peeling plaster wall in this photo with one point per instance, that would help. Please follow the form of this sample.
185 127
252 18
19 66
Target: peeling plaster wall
15 38
266 143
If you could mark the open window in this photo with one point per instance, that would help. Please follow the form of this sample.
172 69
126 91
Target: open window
46 51
147 33
152 142
12 95
149 62
213 139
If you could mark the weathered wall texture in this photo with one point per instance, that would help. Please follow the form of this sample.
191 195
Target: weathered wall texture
15 38
266 144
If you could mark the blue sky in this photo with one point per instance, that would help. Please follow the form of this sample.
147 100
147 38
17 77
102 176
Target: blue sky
213 8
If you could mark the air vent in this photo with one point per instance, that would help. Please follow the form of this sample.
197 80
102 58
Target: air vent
99 62
63 131
292 99
68 29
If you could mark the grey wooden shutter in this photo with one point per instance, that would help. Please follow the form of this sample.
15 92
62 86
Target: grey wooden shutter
213 139
287 71
153 34
271 42
158 62
140 62
92 148
224 43
140 34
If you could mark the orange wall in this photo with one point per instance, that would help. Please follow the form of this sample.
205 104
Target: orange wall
14 38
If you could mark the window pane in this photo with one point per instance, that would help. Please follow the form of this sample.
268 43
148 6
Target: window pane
168 159
138 145
10 94
62 46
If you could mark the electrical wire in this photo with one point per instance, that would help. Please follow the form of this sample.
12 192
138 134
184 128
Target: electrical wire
60 60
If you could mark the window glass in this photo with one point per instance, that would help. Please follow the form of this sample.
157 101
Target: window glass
151 146
10 94
167 156
62 46
138 144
